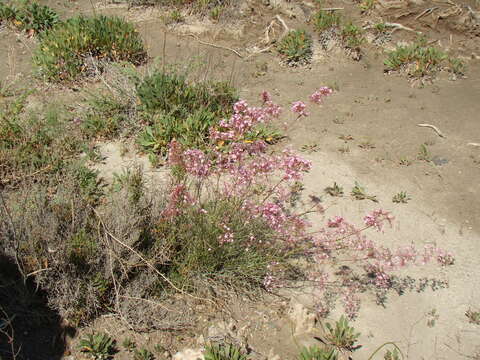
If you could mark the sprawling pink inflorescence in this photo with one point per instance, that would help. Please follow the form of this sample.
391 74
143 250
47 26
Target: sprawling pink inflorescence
318 96
377 218
299 108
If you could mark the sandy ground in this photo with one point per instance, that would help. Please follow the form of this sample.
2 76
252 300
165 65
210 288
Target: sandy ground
368 107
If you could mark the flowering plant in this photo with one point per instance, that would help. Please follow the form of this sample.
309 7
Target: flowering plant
260 187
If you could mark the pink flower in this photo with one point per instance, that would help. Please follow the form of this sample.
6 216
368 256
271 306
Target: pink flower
266 97
196 163
317 96
240 106
377 218
299 107
445 258
294 166
335 222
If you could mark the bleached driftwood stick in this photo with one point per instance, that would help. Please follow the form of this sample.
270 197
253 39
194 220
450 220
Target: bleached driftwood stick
397 26
436 129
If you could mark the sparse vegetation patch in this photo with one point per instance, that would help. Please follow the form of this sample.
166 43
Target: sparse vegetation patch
420 59
28 16
80 46
296 47
331 27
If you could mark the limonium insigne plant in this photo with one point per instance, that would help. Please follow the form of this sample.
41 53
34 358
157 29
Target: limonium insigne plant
260 184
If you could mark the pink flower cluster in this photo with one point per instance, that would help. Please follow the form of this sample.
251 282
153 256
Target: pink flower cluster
318 96
377 218
244 118
299 108
196 163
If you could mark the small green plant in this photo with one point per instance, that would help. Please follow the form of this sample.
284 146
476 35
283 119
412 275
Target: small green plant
392 355
457 66
81 248
367 5
215 13
342 336
296 47
99 346
324 20
359 193
268 133
334 190
175 17
419 59
401 198
310 148
7 13
380 28
404 161
473 316
79 45
432 317
317 353
352 36
128 344
423 153
29 16
366 145
224 352
131 181
143 354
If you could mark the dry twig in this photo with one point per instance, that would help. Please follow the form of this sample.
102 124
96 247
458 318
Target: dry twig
426 12
437 130
267 35
397 26
216 46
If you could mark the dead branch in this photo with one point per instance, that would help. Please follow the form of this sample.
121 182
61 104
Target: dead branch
397 26
285 32
216 46
437 130
473 13
267 40
426 12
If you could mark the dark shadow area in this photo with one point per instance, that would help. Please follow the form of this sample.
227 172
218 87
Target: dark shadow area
29 329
